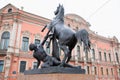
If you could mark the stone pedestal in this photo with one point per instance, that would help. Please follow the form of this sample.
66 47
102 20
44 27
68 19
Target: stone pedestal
56 77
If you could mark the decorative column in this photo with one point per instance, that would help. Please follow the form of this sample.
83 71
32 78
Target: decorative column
17 42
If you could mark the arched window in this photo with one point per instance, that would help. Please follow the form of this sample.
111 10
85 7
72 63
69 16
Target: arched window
105 56
107 72
93 53
88 70
95 70
100 56
109 57
102 71
117 58
9 10
78 51
5 40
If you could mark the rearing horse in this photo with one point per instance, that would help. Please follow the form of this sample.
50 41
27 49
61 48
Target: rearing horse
67 38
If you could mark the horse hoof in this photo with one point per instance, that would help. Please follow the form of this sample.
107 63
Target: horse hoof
61 65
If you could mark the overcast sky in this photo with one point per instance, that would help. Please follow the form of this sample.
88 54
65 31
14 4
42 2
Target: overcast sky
103 15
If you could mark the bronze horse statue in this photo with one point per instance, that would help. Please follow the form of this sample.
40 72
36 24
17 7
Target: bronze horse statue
67 38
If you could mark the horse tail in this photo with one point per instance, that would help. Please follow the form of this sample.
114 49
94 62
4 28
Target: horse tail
83 36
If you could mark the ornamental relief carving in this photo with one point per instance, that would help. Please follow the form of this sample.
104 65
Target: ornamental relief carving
37 36
7 26
26 33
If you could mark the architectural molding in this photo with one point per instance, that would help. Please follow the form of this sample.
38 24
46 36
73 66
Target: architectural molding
26 33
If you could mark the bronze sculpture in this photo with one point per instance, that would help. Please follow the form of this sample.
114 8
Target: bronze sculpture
41 55
67 38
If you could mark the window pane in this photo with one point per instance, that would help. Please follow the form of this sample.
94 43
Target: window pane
78 51
100 56
107 72
88 70
1 65
22 66
47 49
34 65
101 70
111 71
105 56
95 70
25 43
37 42
117 58
109 57
93 53
5 40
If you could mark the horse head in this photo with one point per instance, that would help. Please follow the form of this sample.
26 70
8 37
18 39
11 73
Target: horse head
59 12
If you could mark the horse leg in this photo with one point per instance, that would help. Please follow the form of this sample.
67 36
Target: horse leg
66 52
69 56
51 37
38 63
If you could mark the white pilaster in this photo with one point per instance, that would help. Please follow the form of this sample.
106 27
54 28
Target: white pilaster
12 38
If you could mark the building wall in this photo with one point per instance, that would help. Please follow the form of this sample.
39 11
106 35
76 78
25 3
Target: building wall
23 24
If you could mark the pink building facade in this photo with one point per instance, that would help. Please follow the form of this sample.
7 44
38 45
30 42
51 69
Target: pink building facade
19 28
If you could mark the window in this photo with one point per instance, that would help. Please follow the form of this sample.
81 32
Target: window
68 25
109 57
101 70
107 72
1 65
9 10
37 42
5 40
22 66
78 51
88 72
95 70
25 43
86 55
100 56
35 65
93 53
117 58
112 71
119 72
105 56
47 48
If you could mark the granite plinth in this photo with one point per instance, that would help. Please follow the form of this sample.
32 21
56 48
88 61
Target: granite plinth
56 77
51 70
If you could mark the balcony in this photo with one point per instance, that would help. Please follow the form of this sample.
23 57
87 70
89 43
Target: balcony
3 52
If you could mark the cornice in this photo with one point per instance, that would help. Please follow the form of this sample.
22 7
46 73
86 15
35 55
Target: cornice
32 19
24 17
35 16
99 37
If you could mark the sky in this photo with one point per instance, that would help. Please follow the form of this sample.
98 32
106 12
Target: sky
103 15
